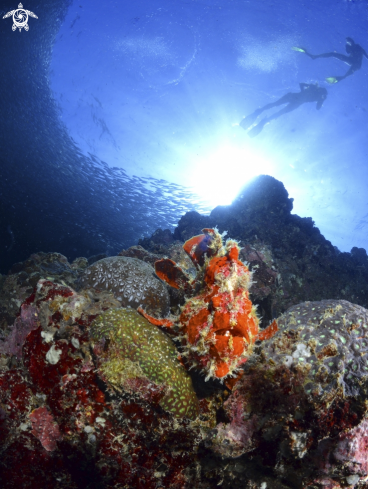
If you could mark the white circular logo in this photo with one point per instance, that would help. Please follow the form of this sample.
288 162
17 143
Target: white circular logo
20 18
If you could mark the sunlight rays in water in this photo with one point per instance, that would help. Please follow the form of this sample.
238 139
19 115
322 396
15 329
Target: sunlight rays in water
219 177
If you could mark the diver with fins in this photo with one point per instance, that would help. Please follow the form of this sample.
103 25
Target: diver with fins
354 58
309 92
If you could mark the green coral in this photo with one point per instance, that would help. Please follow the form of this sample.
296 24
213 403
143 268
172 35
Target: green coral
136 348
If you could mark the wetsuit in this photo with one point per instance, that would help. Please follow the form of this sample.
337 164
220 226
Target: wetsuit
354 59
309 92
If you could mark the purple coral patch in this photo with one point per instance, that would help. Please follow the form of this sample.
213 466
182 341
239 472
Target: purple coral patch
23 325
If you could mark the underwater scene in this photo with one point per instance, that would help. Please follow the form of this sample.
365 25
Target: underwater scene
183 236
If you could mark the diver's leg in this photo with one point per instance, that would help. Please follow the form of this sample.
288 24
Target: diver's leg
258 128
303 50
250 119
313 56
341 57
289 108
336 79
285 99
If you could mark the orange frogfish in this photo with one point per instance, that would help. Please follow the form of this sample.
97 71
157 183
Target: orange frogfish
218 324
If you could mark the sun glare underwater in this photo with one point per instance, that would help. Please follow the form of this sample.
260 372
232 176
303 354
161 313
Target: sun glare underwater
161 93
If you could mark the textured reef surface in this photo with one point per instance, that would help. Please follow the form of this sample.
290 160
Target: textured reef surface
138 354
94 395
132 281
301 406
70 419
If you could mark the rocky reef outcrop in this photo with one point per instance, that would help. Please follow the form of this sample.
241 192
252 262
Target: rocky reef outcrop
301 407
291 260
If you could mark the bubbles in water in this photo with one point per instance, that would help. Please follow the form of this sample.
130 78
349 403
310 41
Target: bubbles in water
266 56
145 48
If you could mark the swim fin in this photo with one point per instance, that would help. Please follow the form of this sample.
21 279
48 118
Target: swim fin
250 119
255 130
331 80
300 50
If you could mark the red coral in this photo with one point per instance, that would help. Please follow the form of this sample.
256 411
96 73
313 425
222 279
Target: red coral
45 428
118 440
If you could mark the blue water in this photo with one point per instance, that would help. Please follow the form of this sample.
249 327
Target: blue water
158 88
118 117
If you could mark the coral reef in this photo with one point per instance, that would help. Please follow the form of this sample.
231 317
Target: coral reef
91 394
82 400
62 426
132 352
132 282
141 254
159 240
23 277
301 406
23 325
218 324
41 264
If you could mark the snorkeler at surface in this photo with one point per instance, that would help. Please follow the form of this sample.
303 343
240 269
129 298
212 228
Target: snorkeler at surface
309 92
354 58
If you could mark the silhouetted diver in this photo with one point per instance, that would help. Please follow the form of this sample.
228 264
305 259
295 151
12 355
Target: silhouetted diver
309 92
354 60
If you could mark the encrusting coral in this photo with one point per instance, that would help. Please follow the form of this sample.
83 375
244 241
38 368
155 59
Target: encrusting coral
301 405
132 353
218 323
132 282
62 426
44 428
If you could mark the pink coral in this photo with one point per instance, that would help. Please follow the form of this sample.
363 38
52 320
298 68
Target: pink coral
45 428
23 325
352 447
